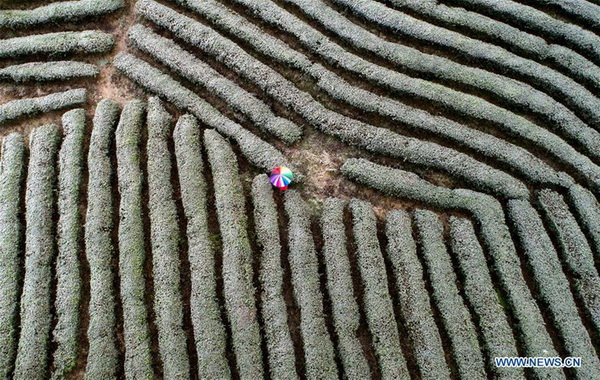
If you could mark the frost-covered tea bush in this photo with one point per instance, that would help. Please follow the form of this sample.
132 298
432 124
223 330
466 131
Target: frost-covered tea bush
33 106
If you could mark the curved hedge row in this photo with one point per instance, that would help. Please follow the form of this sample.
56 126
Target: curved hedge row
316 42
170 54
414 300
513 92
132 250
538 22
58 12
318 348
581 10
552 285
164 239
69 234
59 43
33 106
36 317
550 81
12 173
237 256
280 346
480 293
494 233
209 332
575 252
377 300
587 209
453 311
346 317
48 71
256 150
514 39
103 354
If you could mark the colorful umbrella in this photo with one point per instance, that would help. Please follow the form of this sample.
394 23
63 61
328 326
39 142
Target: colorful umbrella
281 177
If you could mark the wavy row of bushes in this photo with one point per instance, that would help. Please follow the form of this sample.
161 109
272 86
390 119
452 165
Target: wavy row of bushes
581 10
374 139
164 240
209 332
344 308
481 295
454 313
552 285
376 296
537 22
576 96
33 106
280 346
495 236
132 248
12 174
256 150
415 306
510 91
514 39
238 288
33 352
561 119
59 43
575 252
587 209
170 54
58 12
103 354
69 234
48 71
318 347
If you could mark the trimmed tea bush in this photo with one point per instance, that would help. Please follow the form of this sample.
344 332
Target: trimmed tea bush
48 71
346 317
587 210
33 106
318 348
12 174
415 306
164 239
36 318
453 311
103 356
59 43
209 331
274 311
377 301
58 12
69 233
132 250
237 256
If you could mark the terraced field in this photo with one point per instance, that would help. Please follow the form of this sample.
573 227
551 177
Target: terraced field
445 209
